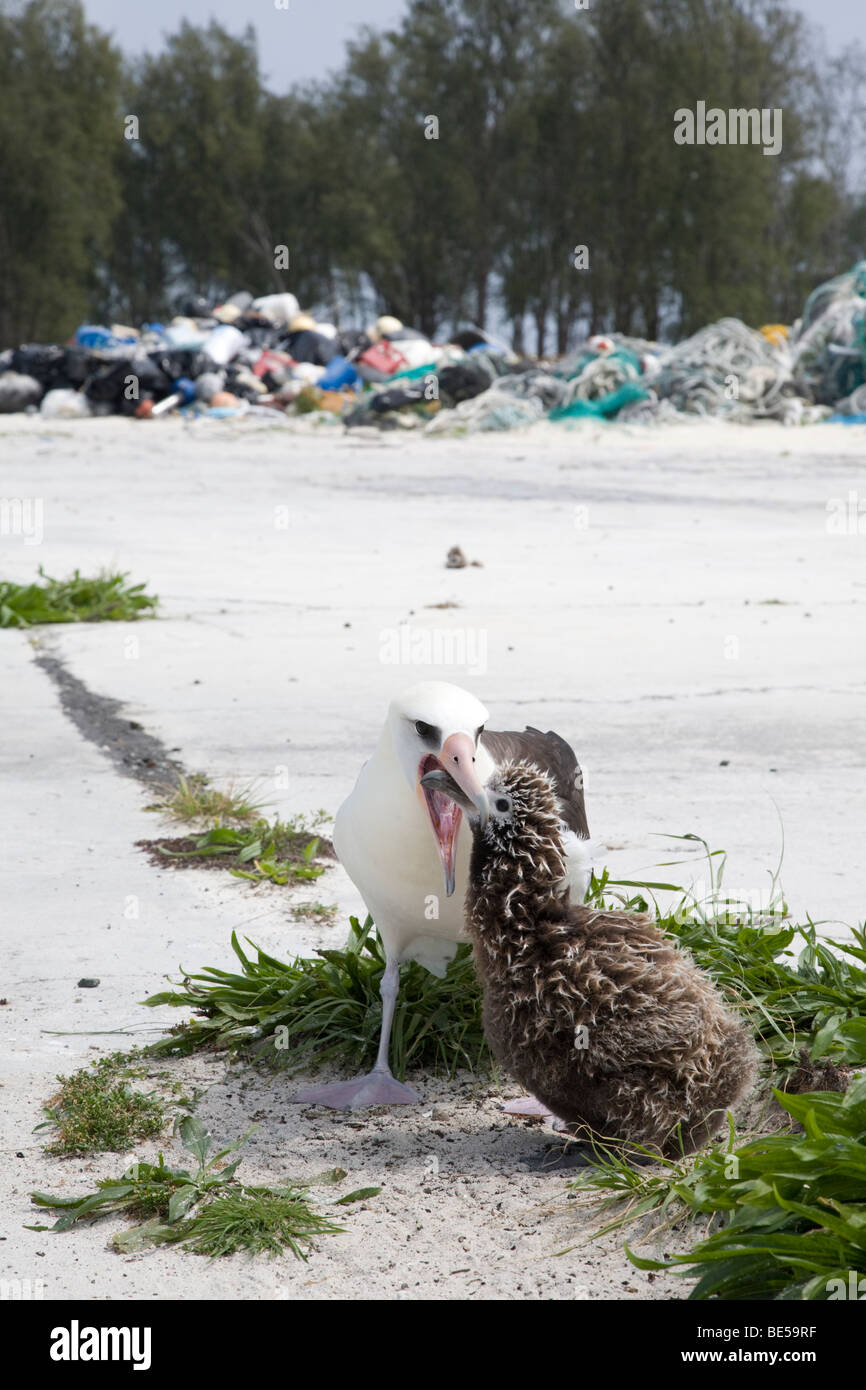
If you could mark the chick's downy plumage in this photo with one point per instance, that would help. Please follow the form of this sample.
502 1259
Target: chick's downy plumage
597 1013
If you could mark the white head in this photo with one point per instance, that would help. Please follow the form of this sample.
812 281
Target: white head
435 725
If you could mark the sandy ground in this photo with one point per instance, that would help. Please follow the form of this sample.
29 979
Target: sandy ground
684 605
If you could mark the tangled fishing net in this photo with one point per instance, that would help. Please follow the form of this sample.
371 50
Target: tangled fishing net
829 349
507 404
730 371
726 371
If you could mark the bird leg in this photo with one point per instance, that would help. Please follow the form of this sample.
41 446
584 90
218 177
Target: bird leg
377 1087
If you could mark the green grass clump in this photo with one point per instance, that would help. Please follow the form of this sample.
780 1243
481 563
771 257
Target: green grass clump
205 1208
259 1222
97 1109
106 598
328 1009
793 1205
315 912
276 851
194 799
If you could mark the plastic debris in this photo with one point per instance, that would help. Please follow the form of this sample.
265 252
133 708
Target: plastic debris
64 405
208 385
279 308
379 361
338 373
264 358
184 391
19 392
497 408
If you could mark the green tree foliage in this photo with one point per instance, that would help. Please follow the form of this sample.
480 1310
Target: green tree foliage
190 178
447 171
59 131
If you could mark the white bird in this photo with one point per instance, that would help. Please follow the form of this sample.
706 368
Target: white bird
396 838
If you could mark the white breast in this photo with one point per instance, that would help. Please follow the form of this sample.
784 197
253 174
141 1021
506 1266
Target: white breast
384 840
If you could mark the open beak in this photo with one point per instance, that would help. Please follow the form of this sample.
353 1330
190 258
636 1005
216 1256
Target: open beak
450 786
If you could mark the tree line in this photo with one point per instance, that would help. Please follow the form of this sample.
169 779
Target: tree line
500 162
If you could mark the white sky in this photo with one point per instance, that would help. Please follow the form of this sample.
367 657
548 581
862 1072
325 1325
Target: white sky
307 40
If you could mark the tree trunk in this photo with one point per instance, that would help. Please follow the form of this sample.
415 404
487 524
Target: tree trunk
481 297
651 318
563 329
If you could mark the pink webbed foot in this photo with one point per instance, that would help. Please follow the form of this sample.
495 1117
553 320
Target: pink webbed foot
527 1107
376 1088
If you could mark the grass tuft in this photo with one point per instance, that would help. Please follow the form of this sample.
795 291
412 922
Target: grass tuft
205 1208
797 991
793 1207
328 1009
260 1222
96 1108
324 913
194 799
105 598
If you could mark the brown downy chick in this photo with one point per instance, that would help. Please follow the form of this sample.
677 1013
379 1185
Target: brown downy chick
597 1013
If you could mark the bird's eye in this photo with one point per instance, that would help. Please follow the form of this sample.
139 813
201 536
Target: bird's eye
423 730
478 732
503 804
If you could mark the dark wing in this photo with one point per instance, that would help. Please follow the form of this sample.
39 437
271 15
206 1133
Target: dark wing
554 756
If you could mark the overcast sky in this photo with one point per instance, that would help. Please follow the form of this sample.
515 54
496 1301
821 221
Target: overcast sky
307 40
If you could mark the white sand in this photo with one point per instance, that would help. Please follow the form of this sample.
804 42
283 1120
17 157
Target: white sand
623 600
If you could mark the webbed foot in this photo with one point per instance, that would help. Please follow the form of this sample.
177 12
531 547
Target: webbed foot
528 1108
376 1088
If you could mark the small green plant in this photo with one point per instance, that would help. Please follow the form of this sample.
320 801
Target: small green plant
261 851
279 851
329 1008
96 1108
106 598
258 1221
194 799
205 1208
793 1207
314 912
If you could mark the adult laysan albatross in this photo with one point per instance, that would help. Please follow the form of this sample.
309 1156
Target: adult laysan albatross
396 839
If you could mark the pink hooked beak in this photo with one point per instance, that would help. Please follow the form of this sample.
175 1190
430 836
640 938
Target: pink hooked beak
457 758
